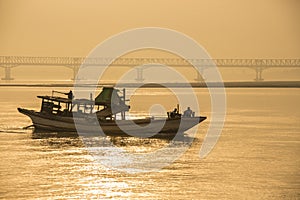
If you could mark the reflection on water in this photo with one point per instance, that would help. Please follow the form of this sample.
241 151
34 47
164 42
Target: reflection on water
256 156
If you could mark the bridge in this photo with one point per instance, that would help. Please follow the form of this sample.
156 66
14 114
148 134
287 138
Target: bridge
9 62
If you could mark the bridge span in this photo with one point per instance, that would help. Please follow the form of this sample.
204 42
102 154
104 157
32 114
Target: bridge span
9 62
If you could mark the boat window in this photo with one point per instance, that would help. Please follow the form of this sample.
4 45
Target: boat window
83 108
88 108
47 107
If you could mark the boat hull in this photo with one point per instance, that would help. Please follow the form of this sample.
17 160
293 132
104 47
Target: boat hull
87 125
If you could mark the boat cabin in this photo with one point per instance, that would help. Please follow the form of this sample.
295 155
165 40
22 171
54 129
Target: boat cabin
106 105
64 106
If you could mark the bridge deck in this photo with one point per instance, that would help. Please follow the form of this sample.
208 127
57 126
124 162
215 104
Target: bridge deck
8 62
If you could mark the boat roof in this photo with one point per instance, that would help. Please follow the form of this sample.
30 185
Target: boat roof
107 96
66 100
55 98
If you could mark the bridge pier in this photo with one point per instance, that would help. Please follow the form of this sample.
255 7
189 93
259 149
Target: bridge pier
139 73
75 71
258 71
200 77
7 72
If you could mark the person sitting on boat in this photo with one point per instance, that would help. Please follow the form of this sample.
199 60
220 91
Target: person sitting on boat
174 113
188 112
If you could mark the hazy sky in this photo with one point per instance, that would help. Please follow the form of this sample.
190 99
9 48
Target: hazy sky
227 28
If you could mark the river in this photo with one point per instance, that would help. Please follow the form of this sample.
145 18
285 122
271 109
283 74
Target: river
256 157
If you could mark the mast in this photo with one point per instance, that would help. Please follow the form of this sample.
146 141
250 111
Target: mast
123 99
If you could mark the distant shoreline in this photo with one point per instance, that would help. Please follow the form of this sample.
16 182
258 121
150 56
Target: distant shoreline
252 84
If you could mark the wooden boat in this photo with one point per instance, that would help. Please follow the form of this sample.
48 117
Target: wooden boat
60 114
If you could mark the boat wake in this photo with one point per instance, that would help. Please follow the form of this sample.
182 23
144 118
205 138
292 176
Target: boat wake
13 130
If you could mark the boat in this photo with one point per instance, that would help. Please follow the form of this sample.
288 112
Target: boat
85 116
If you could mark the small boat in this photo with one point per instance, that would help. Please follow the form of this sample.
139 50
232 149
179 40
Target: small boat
66 114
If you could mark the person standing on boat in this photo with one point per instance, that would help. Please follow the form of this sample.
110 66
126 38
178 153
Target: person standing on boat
70 95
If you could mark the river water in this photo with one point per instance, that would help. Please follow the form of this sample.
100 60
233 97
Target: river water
256 157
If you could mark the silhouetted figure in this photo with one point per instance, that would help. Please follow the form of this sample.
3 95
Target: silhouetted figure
188 112
70 95
174 113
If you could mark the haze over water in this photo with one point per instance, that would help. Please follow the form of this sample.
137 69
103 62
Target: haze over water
256 156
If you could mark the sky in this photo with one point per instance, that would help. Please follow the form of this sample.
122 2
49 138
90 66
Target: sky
226 29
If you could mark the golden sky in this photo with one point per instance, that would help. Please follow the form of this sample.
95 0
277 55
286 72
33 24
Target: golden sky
226 29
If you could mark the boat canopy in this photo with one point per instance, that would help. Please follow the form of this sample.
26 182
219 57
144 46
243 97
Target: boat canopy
112 102
66 100
108 96
57 99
